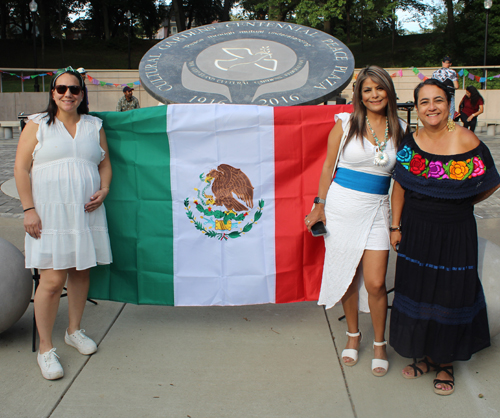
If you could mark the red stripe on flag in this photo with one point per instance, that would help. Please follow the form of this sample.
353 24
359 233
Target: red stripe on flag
300 137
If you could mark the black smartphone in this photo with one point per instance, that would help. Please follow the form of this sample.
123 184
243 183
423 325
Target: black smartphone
318 229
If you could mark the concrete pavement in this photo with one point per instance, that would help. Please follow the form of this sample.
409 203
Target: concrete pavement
211 362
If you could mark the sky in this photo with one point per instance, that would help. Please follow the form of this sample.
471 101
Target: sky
409 23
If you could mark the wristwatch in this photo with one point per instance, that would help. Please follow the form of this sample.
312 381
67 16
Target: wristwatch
318 200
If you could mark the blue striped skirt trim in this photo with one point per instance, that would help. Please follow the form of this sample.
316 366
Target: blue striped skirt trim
435 267
440 314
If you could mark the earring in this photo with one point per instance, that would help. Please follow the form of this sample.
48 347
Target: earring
416 130
451 125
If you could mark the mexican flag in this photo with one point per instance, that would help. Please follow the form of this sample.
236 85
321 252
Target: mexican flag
207 204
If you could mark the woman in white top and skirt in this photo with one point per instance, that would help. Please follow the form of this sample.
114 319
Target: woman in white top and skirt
355 208
63 174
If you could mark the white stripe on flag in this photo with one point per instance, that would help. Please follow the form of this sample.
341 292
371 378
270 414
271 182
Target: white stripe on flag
208 271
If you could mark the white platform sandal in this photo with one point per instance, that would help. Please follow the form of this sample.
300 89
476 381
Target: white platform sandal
351 352
379 363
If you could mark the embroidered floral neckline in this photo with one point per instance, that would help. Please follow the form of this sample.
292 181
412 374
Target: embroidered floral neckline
453 169
444 156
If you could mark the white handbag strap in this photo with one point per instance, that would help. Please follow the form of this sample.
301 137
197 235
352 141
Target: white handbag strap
341 146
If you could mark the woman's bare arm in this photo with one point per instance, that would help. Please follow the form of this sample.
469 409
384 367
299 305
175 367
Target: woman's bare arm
397 204
105 173
22 169
334 138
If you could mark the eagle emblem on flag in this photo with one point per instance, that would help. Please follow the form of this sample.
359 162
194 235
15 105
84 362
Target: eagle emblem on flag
224 203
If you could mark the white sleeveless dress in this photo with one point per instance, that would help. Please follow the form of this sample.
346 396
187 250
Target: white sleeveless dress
64 177
356 221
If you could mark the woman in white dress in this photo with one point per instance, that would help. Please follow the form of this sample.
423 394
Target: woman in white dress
355 208
63 173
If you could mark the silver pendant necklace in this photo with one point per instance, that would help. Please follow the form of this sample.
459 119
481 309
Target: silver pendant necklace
381 157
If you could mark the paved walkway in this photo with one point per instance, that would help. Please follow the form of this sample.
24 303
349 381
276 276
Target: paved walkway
265 361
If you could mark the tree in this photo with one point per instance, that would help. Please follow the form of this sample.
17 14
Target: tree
470 25
317 13
450 26
201 12
340 18
16 20
281 10
226 10
107 17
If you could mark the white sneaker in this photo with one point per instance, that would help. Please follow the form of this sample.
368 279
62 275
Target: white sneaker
49 365
81 342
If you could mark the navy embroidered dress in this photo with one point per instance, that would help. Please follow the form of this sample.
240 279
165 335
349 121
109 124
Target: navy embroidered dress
439 308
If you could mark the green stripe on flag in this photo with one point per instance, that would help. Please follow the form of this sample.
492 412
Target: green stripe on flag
139 210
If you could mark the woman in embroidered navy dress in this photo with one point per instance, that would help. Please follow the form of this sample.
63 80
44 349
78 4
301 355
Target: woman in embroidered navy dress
439 310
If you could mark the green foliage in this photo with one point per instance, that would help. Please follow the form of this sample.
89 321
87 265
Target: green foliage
470 26
341 18
102 18
282 10
366 23
315 13
88 53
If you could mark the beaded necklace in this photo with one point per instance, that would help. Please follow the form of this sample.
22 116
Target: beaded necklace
381 157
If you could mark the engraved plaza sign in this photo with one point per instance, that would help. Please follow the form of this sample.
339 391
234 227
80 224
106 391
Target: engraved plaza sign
247 62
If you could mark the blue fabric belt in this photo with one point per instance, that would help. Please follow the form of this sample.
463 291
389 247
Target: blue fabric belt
362 182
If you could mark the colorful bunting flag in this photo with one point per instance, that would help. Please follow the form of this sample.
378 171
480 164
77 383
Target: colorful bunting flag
399 73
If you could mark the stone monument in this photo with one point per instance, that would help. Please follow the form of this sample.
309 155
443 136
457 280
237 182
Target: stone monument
247 62
488 268
16 285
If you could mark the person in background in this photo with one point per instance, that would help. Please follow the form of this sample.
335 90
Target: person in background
128 101
83 73
449 78
353 88
471 106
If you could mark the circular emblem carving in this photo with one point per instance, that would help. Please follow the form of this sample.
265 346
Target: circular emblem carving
247 62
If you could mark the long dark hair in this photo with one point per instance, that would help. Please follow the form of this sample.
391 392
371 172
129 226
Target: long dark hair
358 117
474 95
432 82
52 108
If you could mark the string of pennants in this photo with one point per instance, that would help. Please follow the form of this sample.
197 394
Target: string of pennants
28 77
465 73
462 72
93 80
97 82
399 73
